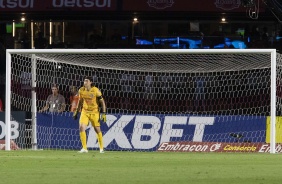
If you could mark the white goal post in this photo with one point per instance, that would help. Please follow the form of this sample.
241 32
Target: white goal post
214 61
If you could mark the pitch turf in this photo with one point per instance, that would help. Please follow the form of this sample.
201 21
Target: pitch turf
67 167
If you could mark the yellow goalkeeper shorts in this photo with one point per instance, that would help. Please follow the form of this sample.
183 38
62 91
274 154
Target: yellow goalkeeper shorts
85 118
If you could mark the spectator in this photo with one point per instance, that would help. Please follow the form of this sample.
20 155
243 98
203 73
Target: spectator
73 98
55 102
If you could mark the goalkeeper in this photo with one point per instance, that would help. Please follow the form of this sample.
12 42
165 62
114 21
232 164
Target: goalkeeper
89 100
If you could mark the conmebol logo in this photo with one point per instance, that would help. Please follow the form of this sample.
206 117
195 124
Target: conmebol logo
227 4
160 4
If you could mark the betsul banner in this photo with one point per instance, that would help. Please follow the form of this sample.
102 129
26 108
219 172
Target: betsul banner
124 5
147 132
57 5
186 6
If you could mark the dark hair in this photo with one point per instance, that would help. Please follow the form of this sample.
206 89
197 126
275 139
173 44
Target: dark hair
89 78
55 86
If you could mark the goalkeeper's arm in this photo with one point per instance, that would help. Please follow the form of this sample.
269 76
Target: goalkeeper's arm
103 106
78 108
102 103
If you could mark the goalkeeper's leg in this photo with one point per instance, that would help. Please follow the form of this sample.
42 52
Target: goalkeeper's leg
100 140
96 124
83 139
82 127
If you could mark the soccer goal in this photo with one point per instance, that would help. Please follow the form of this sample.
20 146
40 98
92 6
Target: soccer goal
215 100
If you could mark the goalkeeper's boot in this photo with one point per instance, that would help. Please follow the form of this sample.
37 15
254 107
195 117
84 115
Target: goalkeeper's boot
83 151
102 151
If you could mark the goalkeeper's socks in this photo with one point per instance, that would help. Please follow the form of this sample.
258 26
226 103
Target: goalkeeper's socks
83 139
100 140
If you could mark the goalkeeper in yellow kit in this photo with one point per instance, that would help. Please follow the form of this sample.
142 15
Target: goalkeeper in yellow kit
90 97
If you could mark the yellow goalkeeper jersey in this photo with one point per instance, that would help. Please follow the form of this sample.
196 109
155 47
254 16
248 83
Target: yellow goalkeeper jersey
90 101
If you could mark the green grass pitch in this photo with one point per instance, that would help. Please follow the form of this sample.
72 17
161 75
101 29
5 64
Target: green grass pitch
70 167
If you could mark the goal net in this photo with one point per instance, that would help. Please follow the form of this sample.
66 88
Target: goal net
157 100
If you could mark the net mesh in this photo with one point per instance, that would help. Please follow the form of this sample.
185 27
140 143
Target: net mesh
151 98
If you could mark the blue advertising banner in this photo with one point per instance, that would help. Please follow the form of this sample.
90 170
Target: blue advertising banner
146 132
17 124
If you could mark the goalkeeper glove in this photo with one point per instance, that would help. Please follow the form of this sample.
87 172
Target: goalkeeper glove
74 115
103 117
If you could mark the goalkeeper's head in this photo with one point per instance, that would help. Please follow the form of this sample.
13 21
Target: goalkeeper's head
88 81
